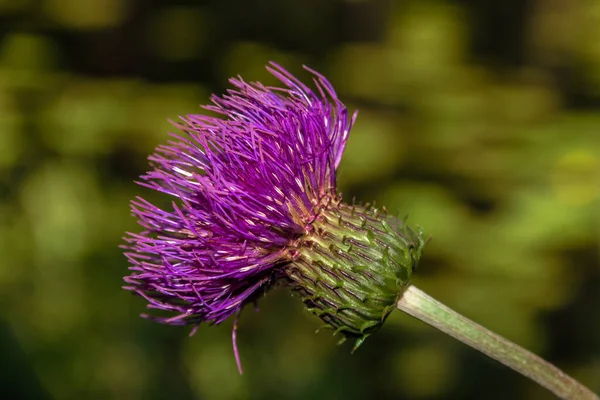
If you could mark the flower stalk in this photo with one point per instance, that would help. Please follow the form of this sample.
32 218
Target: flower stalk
420 305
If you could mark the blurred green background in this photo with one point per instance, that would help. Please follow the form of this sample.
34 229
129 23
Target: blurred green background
479 119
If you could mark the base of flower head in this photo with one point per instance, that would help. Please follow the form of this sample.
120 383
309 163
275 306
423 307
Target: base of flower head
352 265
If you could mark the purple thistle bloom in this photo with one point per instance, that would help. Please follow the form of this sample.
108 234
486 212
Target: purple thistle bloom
246 186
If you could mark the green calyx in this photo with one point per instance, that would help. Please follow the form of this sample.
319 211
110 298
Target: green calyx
352 265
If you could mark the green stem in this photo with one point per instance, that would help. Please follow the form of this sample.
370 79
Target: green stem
421 306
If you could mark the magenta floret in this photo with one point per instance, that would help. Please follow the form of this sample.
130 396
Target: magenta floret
245 184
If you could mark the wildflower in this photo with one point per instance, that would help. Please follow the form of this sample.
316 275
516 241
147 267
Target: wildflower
255 202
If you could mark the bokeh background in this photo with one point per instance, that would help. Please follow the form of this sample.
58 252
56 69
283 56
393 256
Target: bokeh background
479 119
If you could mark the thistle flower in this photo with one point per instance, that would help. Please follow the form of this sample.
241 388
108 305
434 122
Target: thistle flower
255 201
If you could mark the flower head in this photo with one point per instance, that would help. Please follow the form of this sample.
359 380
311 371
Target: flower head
254 201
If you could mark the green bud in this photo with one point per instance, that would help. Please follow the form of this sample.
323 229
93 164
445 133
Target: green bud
352 265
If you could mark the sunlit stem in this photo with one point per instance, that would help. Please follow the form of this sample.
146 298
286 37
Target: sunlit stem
421 306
